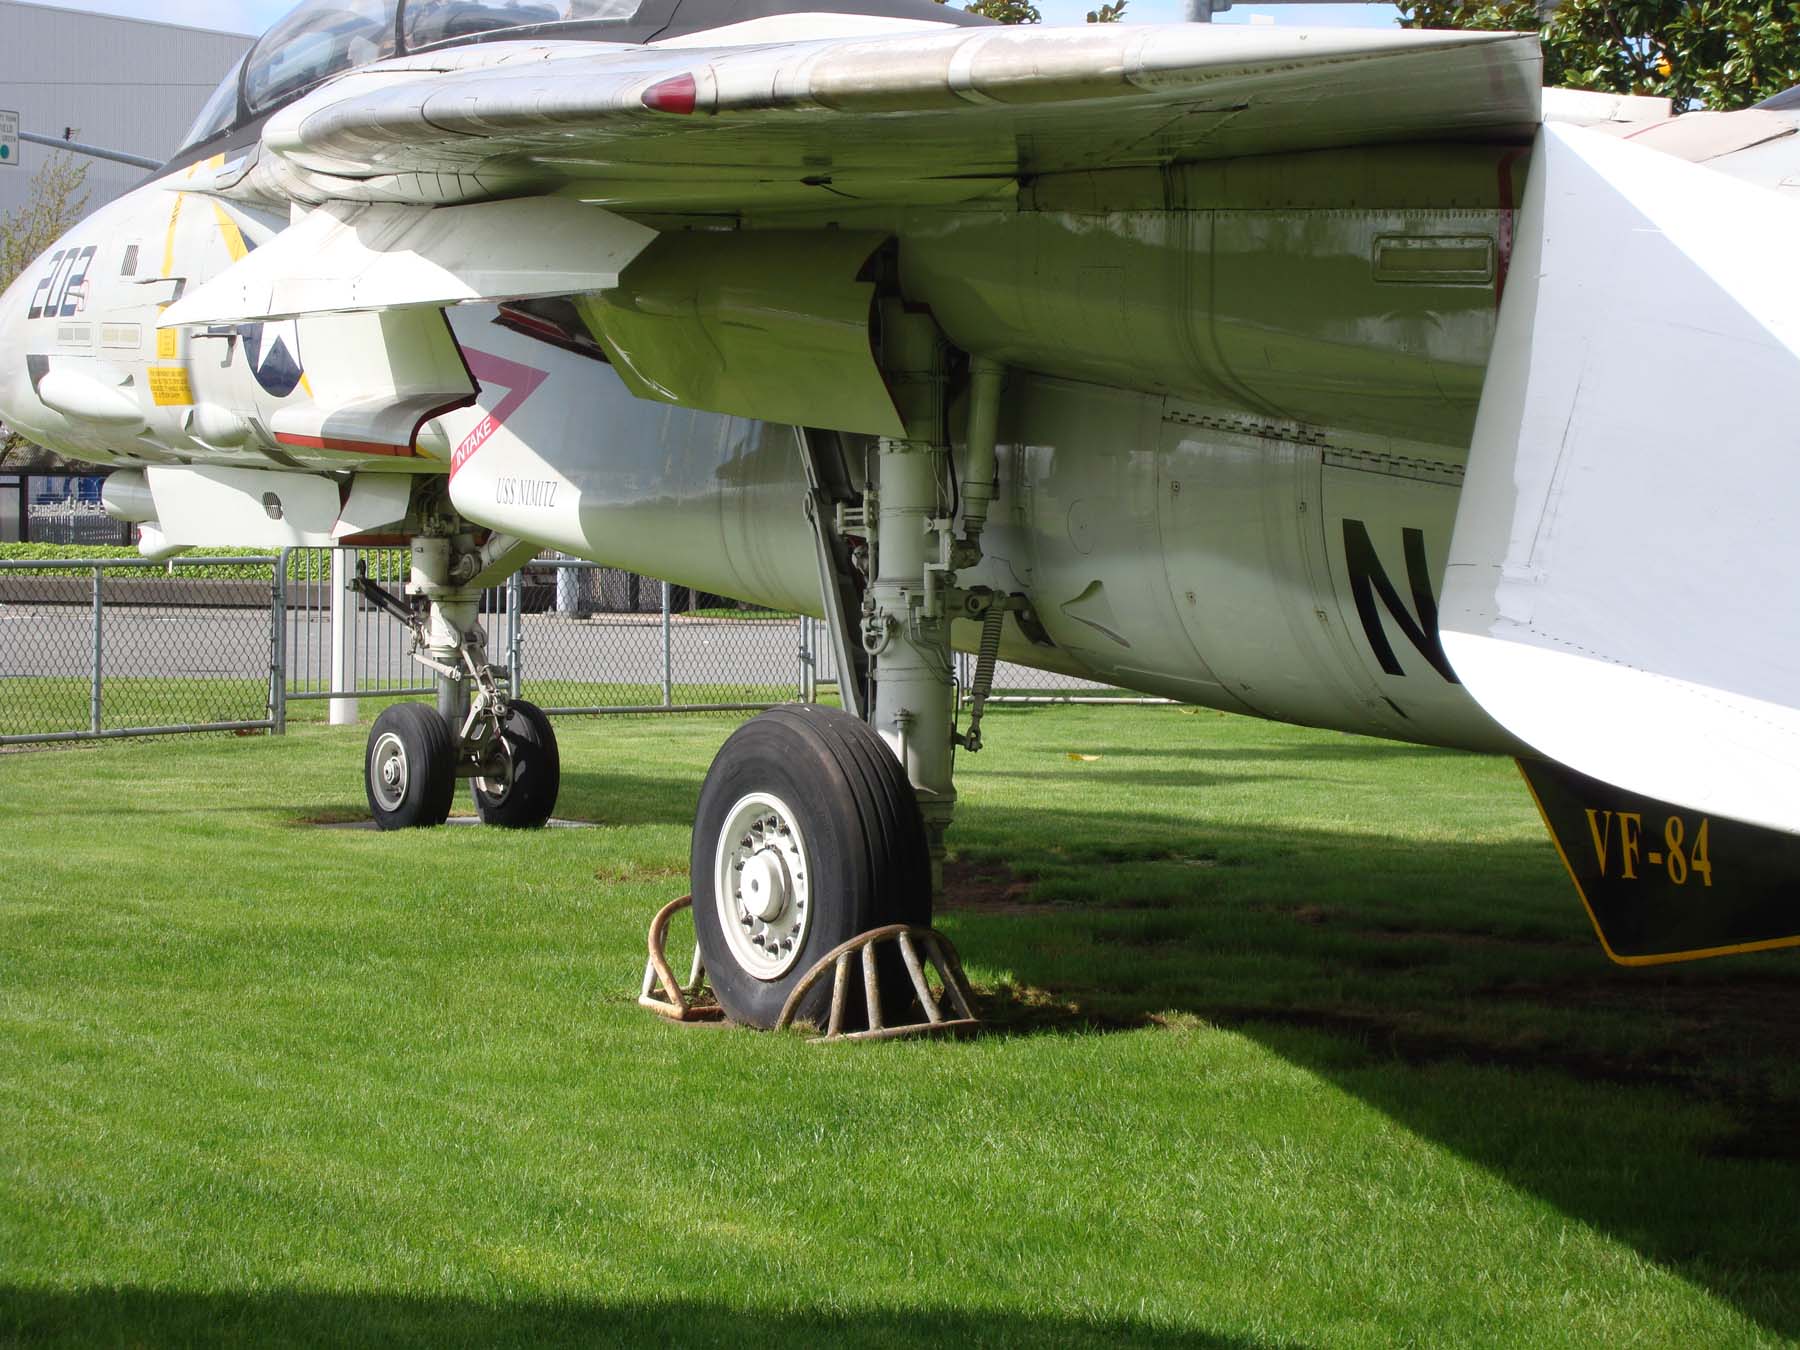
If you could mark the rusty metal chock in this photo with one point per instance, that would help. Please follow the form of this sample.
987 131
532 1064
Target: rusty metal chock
910 939
692 1002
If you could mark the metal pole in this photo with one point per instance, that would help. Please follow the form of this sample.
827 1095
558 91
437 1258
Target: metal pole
803 661
568 591
515 608
278 647
668 667
343 639
98 152
99 628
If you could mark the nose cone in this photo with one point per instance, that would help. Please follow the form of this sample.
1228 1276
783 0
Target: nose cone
12 348
19 407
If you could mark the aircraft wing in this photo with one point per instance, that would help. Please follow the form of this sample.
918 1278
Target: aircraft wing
934 115
1622 571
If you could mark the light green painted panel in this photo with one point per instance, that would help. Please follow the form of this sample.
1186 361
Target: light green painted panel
774 325
1353 289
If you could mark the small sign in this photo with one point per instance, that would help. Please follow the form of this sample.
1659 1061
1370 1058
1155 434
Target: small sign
1663 883
9 138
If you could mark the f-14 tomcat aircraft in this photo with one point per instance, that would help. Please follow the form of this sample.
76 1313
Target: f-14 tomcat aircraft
1347 378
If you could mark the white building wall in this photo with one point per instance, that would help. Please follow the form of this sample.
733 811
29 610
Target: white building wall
126 84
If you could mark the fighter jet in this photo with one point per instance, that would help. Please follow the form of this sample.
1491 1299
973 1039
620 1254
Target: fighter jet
1342 377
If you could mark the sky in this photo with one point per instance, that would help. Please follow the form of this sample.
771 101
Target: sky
253 16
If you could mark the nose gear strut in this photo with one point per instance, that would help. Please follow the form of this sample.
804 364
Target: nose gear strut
478 732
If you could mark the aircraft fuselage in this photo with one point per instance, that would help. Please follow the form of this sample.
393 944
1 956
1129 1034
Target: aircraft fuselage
1231 442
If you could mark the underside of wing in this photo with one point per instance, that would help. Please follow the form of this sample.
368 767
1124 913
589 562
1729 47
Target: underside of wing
909 116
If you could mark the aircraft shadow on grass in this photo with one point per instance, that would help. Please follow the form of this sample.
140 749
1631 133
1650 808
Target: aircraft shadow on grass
137 1316
1480 1013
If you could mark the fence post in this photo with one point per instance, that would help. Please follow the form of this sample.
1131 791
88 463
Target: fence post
805 626
343 639
94 715
515 608
668 669
278 647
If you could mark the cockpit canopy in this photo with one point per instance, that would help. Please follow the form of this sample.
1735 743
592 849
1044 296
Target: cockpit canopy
322 38
430 21
315 41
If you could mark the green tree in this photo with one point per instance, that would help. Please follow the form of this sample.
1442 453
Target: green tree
1721 54
1113 12
56 200
1006 11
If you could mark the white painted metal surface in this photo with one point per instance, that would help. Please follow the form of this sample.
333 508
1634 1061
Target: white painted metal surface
254 507
345 257
376 501
1623 113
1622 578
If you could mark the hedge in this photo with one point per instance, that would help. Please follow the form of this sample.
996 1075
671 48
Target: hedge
298 566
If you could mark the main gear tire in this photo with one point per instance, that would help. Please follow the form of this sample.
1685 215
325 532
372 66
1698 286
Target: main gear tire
409 770
524 796
807 834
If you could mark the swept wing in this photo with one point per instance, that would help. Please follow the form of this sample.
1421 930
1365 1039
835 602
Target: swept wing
900 117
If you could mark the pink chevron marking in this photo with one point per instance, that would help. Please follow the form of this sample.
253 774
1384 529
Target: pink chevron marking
520 382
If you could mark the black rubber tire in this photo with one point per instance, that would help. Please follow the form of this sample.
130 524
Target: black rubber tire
430 761
530 798
865 842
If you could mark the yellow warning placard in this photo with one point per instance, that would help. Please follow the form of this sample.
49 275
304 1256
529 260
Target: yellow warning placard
169 386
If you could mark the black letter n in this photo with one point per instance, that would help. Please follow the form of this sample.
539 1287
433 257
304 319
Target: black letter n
1368 580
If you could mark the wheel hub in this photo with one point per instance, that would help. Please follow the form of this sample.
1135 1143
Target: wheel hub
762 885
389 761
764 890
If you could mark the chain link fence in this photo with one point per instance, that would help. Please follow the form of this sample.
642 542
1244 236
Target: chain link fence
136 647
130 647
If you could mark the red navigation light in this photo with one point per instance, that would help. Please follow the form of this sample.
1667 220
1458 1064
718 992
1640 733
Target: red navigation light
675 95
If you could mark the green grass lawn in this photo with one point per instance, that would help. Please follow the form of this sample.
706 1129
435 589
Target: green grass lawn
1300 1039
36 705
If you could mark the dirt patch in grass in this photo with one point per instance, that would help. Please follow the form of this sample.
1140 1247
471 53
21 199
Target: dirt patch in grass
1326 916
988 888
332 817
1463 938
1711 1019
1702 1032
642 872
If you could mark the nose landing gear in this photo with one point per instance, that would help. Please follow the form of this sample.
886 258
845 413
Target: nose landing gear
520 793
505 746
409 771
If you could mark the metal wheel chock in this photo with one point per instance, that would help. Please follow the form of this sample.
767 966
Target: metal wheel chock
909 938
690 1003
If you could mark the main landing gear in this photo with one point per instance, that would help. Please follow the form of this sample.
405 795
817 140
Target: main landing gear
504 746
816 825
807 834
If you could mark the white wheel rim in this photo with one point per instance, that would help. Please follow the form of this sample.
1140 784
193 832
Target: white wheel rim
762 885
387 771
496 789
